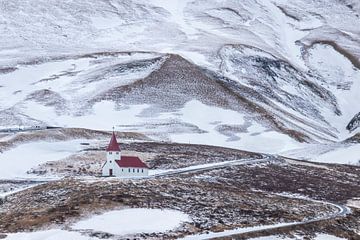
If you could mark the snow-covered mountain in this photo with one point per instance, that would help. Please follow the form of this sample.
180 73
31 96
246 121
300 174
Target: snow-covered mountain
265 75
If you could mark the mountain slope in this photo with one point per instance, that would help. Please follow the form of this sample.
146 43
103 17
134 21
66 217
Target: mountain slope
271 68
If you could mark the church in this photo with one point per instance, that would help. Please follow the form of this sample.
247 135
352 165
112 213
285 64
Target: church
117 165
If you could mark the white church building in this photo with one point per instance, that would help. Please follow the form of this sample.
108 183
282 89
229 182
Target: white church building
122 166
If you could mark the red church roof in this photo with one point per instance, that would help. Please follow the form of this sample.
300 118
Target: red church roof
113 145
127 161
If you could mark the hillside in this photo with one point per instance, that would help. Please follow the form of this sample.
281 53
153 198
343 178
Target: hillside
268 63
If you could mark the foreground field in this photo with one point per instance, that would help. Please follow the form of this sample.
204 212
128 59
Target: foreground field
220 190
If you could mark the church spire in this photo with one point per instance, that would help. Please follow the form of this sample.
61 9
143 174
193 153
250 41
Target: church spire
113 145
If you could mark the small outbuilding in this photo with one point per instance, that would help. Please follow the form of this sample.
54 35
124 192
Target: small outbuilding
122 166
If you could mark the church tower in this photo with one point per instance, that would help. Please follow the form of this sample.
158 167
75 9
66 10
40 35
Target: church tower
113 154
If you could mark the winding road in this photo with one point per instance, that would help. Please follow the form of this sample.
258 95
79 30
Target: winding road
342 210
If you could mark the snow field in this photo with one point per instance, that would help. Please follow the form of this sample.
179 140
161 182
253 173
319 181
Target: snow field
342 155
207 118
343 79
17 161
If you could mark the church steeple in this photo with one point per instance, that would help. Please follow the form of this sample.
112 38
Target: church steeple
113 145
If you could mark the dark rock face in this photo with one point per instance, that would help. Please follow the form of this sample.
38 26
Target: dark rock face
353 139
354 123
278 80
5 71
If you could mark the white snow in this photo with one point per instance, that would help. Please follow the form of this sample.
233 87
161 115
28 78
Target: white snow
339 153
343 155
134 220
104 23
207 118
287 34
18 84
54 234
343 79
98 119
355 203
17 161
327 237
176 9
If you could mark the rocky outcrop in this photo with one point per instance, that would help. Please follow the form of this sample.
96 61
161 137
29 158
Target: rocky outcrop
354 123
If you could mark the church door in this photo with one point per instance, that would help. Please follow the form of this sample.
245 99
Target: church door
110 172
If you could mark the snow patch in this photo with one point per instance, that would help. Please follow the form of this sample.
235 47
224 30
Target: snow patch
355 202
135 220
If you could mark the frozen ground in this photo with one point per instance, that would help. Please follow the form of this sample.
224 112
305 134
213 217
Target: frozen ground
317 237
